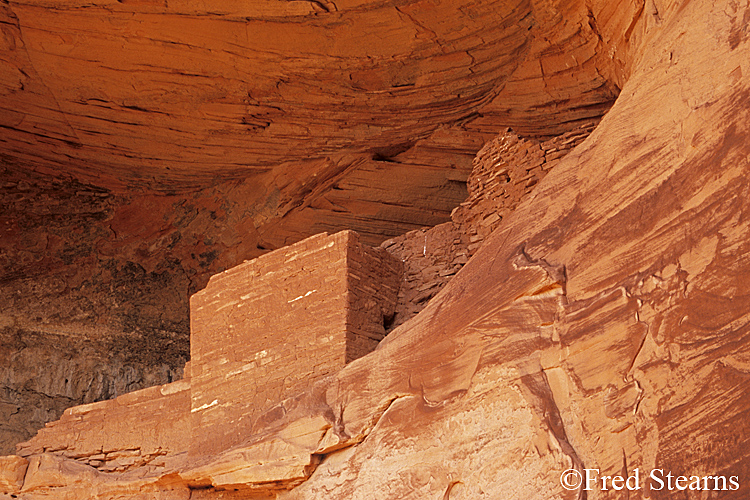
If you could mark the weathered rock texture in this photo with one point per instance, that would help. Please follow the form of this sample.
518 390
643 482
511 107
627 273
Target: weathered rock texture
145 146
95 285
267 329
505 171
143 428
603 324
260 334
42 373
12 473
111 84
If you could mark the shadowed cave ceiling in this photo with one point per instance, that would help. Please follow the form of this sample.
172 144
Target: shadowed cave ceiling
146 145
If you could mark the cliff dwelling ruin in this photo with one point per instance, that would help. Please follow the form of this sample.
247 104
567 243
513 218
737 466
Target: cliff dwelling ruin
360 249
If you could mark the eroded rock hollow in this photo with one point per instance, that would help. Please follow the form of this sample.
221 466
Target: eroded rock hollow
562 187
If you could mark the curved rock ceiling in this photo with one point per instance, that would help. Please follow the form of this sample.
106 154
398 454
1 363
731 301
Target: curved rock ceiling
168 95
602 325
145 145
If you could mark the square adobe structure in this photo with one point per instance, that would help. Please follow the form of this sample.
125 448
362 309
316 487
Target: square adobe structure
261 332
268 328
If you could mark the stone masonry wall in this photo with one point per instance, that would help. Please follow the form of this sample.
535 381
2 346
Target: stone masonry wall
373 277
505 172
149 426
261 332
267 329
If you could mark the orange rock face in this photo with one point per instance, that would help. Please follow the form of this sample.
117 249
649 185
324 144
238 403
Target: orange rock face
12 473
506 170
601 330
125 87
145 146
267 329
262 332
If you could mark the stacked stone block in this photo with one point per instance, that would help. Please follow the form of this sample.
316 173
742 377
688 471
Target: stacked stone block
505 172
261 332
373 278
269 328
139 428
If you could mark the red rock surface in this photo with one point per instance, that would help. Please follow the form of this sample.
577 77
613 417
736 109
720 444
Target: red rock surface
145 428
145 146
268 329
260 334
505 172
603 324
12 473
190 91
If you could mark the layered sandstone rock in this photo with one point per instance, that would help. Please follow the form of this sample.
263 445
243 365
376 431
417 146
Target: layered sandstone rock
261 332
602 325
188 91
145 428
505 172
146 146
12 473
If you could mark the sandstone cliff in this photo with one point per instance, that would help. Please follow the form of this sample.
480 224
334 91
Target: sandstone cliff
145 146
603 324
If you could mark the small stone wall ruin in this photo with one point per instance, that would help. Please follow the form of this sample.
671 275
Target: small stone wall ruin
268 328
260 333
